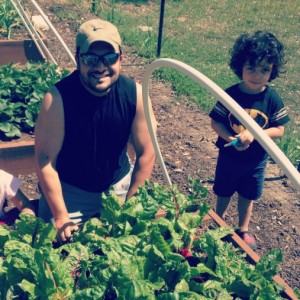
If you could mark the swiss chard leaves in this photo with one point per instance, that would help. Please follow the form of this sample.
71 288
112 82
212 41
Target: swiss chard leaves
21 93
130 254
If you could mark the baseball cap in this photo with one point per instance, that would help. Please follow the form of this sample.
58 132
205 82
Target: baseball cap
97 30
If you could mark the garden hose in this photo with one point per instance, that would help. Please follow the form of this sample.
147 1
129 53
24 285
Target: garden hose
265 141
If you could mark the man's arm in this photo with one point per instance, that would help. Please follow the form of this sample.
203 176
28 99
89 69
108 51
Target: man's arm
141 140
49 135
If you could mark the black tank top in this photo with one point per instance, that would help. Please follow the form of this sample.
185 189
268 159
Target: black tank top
97 129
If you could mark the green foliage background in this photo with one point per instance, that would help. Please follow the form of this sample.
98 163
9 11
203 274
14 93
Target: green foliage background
130 254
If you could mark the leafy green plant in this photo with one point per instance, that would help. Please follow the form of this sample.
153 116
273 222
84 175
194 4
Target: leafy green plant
128 253
8 17
21 92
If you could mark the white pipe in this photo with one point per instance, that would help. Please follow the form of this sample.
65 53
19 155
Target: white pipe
32 31
266 142
27 27
55 31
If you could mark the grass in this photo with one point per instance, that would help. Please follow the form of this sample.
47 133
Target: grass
200 34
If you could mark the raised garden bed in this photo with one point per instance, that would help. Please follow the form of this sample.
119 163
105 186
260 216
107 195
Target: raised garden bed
20 52
17 157
252 256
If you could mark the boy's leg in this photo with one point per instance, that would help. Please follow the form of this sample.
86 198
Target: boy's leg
250 186
226 179
245 207
221 206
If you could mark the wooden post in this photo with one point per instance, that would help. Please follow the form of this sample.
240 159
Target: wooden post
161 24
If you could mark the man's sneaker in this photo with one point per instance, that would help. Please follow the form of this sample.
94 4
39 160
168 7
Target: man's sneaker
248 238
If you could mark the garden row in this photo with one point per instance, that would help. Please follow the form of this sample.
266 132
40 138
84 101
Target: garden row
131 253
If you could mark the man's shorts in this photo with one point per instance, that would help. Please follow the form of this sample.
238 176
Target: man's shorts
244 177
83 205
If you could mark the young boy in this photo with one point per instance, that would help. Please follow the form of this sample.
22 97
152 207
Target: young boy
256 59
9 189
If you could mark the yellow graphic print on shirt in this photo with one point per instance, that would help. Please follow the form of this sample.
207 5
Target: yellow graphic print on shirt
258 116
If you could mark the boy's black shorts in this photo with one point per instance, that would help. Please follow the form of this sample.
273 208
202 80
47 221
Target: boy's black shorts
244 177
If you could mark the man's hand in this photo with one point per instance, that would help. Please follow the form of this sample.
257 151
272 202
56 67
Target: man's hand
65 228
28 210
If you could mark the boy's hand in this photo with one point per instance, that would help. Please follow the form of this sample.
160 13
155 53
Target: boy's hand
241 147
245 138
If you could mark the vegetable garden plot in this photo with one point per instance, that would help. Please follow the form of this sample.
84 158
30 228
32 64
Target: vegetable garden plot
131 253
251 256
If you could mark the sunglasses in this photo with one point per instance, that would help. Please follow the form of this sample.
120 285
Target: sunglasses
92 60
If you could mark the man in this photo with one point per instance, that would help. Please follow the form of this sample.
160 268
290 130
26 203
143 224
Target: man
82 131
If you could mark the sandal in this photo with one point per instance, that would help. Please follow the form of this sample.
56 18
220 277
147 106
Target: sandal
248 238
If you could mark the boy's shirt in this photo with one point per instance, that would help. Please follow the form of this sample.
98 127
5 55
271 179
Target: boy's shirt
9 186
266 108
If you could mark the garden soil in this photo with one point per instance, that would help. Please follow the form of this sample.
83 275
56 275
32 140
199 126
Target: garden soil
187 143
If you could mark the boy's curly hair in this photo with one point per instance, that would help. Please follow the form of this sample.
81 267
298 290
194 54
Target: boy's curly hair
254 49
